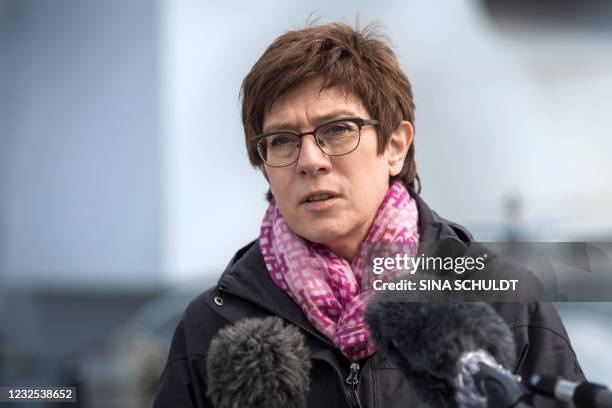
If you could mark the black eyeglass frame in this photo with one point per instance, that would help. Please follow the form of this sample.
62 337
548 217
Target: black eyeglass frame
360 122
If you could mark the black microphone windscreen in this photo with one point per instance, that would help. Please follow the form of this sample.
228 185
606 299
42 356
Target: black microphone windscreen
257 363
427 339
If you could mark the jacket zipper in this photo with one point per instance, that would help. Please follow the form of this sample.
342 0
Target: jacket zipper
352 380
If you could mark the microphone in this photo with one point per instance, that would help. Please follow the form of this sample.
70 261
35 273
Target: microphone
257 363
454 353
583 395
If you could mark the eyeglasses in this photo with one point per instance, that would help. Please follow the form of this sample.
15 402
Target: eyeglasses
335 138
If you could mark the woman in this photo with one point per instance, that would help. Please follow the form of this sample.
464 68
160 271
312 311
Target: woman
328 117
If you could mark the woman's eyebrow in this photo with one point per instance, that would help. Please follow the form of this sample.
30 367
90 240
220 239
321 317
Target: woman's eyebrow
317 119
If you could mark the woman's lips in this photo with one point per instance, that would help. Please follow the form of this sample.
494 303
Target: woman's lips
320 205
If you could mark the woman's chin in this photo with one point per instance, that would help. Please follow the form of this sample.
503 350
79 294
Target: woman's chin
324 233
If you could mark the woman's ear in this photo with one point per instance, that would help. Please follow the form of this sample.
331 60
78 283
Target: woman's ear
398 146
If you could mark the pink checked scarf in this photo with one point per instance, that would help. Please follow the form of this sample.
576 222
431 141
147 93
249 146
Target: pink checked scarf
327 287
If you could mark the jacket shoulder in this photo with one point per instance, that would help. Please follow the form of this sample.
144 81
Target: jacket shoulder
183 382
215 308
186 363
542 343
196 328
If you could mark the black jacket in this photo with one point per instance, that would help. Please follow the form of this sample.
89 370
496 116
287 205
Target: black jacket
246 290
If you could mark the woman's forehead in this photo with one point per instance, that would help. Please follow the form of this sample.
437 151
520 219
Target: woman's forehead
311 102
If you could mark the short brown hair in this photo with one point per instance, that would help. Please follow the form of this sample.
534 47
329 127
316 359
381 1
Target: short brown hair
359 61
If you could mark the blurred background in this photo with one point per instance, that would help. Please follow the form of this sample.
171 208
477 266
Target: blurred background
125 186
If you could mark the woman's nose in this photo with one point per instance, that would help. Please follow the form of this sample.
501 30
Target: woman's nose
312 159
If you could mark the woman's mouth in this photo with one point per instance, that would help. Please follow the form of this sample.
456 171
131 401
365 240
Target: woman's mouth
319 201
318 197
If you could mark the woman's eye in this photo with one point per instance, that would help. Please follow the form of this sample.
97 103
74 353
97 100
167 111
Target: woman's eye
338 128
280 141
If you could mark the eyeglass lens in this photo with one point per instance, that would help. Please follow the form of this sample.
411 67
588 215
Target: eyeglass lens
334 138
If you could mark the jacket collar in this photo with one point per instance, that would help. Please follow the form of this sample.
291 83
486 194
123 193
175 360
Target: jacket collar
247 276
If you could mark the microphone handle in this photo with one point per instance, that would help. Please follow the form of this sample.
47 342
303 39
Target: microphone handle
589 395
603 399
584 395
